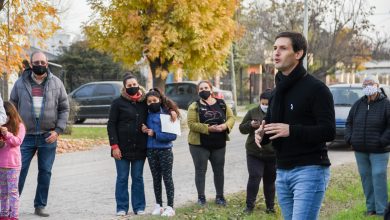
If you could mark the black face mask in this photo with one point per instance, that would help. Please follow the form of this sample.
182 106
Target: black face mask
132 90
204 94
154 107
39 70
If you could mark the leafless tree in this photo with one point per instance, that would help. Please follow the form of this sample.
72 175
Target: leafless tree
336 29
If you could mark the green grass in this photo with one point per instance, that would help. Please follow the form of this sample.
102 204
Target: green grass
233 210
87 133
344 200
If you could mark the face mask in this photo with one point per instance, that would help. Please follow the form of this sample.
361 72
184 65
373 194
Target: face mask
264 108
204 94
39 70
154 107
370 90
132 90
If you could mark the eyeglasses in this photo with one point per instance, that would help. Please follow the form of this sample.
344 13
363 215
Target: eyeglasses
39 63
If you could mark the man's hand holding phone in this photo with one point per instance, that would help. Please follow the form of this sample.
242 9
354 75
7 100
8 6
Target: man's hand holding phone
259 133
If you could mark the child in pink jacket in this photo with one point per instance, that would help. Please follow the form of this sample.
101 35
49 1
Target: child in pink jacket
12 134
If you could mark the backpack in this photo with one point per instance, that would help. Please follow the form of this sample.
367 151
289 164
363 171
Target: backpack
214 140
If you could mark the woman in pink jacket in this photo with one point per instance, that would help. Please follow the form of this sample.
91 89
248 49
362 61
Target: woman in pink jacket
11 135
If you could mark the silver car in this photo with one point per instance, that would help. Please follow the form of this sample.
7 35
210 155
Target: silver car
344 96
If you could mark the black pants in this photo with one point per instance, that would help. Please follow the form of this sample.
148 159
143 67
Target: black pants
161 163
201 156
257 169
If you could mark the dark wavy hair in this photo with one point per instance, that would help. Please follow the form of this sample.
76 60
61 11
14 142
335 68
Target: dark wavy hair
298 41
166 103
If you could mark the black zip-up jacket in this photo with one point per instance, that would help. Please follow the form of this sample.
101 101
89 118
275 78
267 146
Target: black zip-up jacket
124 127
309 112
368 125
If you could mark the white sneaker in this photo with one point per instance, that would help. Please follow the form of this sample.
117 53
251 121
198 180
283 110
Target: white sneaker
169 211
158 210
121 213
141 212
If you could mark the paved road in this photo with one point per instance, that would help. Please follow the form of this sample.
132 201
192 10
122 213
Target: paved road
83 182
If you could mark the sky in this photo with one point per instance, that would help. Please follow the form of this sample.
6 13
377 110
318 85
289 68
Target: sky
79 12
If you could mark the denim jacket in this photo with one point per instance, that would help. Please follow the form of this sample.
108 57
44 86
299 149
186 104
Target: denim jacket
160 140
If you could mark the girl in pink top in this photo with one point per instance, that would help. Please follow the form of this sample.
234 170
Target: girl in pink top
11 134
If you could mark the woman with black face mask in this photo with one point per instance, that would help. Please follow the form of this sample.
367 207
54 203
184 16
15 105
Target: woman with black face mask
128 144
159 149
209 120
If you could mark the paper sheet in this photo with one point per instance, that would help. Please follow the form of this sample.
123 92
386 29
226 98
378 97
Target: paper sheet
168 126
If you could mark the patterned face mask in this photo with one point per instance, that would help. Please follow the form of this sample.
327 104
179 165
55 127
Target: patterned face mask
370 90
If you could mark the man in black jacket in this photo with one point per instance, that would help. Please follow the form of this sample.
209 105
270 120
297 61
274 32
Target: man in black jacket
299 122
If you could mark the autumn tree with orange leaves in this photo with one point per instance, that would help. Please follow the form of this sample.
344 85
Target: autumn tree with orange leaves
194 35
21 20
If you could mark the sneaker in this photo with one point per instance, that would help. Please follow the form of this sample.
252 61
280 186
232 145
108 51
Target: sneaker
270 211
41 212
248 210
121 213
140 212
168 212
201 200
370 213
220 200
158 210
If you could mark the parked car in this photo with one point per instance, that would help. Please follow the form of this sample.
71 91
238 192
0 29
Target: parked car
184 93
344 96
228 97
94 99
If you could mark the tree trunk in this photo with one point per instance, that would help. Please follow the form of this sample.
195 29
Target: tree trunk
157 81
155 64
2 4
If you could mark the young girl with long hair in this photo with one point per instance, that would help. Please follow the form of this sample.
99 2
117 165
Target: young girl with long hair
12 134
159 149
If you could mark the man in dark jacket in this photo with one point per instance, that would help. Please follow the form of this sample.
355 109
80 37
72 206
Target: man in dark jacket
368 132
42 102
299 122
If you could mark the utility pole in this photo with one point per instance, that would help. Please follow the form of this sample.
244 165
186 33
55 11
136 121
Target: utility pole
305 30
233 77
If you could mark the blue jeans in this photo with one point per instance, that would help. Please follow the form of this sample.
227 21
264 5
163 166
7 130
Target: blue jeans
122 185
46 154
373 173
301 190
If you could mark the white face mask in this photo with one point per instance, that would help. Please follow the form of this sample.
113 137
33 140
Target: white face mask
264 108
370 90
